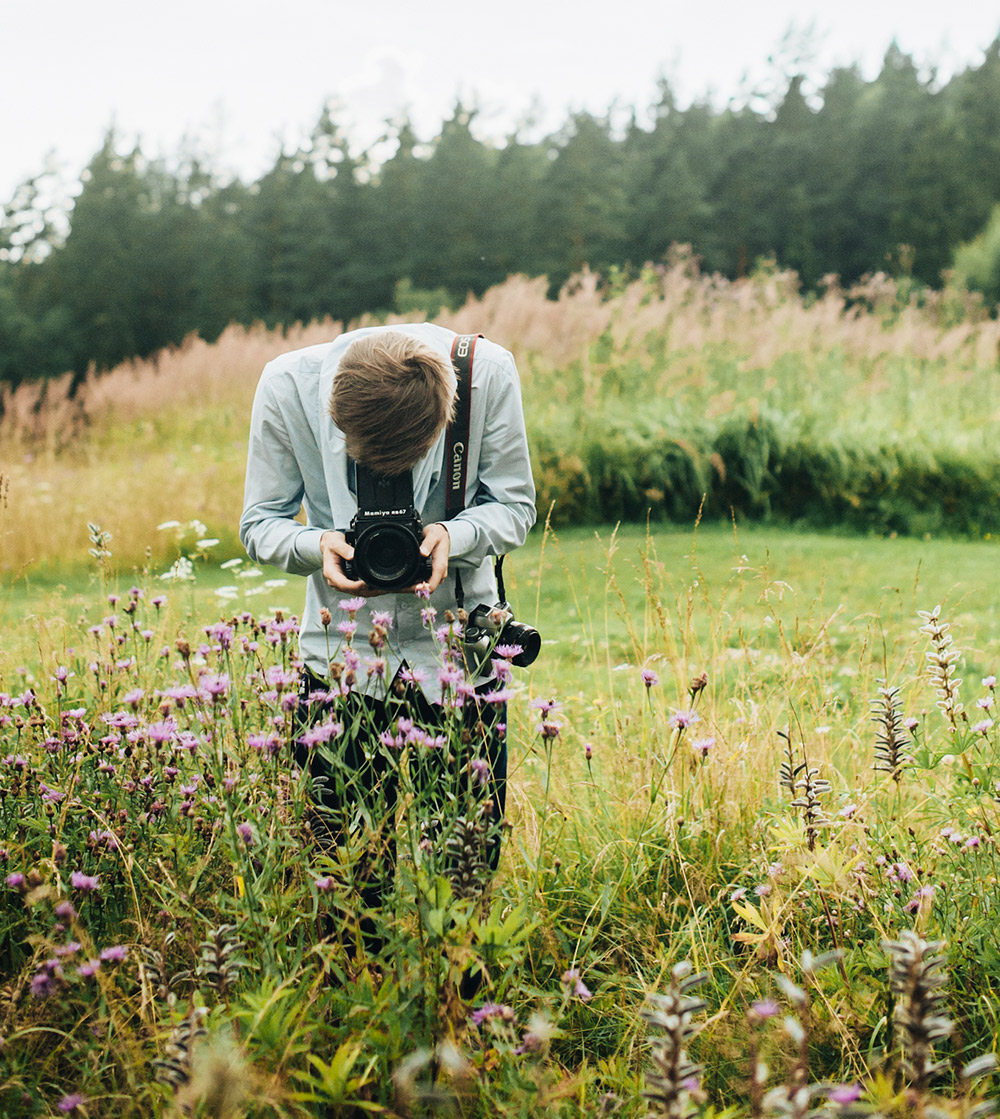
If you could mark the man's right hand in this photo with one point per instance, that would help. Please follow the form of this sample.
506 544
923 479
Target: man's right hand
335 550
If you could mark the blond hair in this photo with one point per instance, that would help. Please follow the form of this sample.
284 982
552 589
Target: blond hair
391 396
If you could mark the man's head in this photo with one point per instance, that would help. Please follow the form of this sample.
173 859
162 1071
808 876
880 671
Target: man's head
391 397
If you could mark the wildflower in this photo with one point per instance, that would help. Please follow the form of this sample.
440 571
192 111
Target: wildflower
982 727
491 1010
914 902
325 617
738 894
765 1008
574 985
71 1102
649 678
549 730
702 746
412 675
65 911
681 720
15 880
89 969
428 616
508 652
588 751
215 685
546 706
844 1094
85 882
347 627
114 954
324 884
989 682
245 832
382 618
480 771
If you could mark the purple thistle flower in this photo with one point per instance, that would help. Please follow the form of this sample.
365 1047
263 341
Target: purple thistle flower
765 1008
351 605
681 720
382 618
71 1102
15 880
423 591
546 706
245 832
575 985
649 678
348 627
89 969
114 954
844 1094
491 1010
480 771
215 685
702 746
508 652
86 882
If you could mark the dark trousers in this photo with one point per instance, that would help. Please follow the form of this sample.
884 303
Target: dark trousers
355 779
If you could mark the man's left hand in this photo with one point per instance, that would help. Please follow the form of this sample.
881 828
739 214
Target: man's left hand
436 546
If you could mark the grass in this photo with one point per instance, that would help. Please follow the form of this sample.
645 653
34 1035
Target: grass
649 826
742 748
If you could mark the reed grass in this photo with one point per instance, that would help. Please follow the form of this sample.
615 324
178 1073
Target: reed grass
870 406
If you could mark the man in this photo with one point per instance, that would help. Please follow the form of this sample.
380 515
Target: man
380 398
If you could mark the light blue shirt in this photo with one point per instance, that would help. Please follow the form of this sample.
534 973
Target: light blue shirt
297 459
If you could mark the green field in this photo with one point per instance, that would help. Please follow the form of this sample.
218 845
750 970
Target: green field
636 842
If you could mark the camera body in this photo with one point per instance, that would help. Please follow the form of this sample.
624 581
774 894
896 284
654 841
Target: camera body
490 626
386 533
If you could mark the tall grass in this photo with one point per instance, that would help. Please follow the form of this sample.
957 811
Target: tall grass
710 777
872 407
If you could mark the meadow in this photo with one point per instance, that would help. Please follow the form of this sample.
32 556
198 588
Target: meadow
749 861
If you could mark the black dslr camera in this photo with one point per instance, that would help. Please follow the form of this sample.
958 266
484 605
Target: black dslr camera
386 533
490 626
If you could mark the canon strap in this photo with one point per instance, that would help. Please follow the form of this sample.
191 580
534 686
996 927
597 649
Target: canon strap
463 351
457 462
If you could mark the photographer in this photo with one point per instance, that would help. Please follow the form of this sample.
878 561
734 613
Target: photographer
375 404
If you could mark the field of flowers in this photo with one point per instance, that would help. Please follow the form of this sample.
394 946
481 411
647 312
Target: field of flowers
749 864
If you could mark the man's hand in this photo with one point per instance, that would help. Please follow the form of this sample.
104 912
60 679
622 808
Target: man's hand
436 545
335 550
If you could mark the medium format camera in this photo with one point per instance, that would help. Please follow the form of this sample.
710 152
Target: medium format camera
386 533
490 626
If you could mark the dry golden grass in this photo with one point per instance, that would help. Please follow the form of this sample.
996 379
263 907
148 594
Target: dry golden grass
164 439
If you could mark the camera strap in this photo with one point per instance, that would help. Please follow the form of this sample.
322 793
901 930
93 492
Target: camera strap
463 351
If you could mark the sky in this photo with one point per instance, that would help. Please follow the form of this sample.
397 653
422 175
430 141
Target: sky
237 79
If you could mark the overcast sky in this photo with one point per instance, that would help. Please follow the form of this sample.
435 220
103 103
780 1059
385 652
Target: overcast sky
240 77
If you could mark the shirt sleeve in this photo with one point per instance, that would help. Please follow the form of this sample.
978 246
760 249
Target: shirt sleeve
503 507
275 489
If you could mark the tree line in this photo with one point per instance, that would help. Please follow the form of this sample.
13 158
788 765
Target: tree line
856 176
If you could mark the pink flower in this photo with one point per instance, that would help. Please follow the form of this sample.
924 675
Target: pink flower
681 720
114 954
351 605
86 882
649 678
573 984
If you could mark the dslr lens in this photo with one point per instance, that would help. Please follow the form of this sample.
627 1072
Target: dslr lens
388 556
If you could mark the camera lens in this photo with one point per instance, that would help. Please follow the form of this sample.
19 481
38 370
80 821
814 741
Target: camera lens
530 640
388 556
